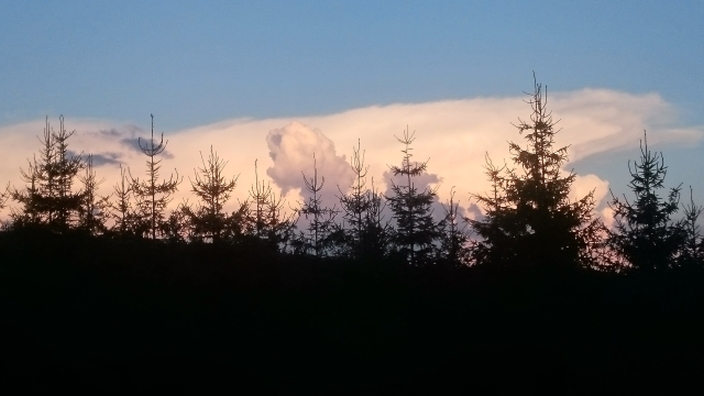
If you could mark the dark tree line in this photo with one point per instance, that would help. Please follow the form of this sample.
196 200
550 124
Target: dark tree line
529 219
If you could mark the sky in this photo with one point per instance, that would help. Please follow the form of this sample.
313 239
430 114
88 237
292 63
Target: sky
276 81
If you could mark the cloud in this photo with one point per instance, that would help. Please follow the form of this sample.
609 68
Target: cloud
292 149
455 135
102 159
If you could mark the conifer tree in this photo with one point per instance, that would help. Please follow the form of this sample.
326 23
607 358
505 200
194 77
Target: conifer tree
376 233
4 196
692 252
151 195
644 233
321 220
213 190
93 208
49 198
454 250
120 211
177 227
265 219
355 204
530 218
415 229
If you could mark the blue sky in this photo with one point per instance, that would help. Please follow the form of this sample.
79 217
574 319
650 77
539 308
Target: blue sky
198 63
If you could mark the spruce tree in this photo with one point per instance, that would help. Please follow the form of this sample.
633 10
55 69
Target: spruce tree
321 219
691 254
415 230
92 211
645 234
4 196
530 219
376 232
152 196
265 219
213 190
120 211
454 249
49 198
365 231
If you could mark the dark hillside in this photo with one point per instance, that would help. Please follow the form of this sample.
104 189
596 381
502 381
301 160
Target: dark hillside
133 313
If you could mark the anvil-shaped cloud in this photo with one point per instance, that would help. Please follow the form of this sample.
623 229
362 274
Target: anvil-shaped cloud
454 135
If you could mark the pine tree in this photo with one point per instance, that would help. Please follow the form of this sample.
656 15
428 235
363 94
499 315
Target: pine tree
213 189
151 195
645 234
415 229
529 216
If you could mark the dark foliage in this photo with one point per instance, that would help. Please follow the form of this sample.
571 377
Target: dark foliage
148 303
415 230
49 198
645 234
121 315
530 219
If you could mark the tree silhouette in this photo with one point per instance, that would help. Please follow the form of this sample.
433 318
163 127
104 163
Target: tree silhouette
213 189
355 204
692 252
4 196
375 234
120 211
177 227
265 219
415 229
529 216
151 195
454 249
321 220
644 233
92 211
49 199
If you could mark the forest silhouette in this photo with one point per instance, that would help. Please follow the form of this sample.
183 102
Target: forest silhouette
121 293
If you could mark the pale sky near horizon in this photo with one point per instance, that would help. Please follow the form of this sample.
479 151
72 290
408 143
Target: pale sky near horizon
291 78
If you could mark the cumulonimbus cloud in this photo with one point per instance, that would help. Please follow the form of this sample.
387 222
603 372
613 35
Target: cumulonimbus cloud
454 135
296 151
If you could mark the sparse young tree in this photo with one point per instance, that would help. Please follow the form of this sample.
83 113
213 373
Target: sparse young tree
49 199
151 195
120 210
645 234
93 209
530 218
265 219
692 252
355 204
454 250
375 235
213 189
4 196
321 220
415 229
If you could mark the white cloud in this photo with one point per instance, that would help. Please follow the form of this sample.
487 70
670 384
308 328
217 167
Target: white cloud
453 135
291 150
